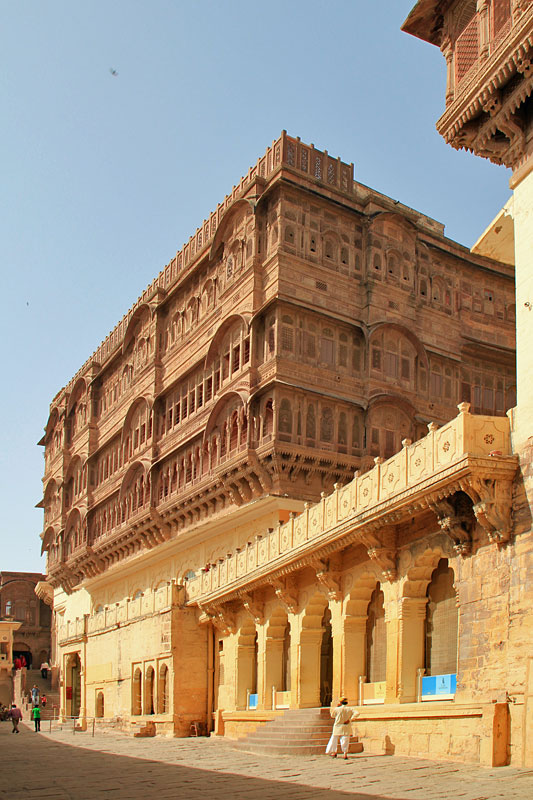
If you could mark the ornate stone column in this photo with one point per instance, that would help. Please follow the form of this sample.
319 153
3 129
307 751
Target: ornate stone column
270 671
483 8
349 656
448 53
308 654
411 646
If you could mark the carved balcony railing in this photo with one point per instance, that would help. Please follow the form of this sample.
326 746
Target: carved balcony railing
481 39
471 454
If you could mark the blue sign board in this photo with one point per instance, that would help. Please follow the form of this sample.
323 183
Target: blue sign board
439 684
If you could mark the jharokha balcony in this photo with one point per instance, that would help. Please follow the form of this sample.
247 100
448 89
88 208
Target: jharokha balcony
459 474
488 48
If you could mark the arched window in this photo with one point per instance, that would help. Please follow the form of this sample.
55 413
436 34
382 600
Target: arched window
285 417
149 691
326 425
268 422
162 690
310 423
136 702
342 432
287 333
99 708
442 617
330 251
356 433
376 638
234 433
392 265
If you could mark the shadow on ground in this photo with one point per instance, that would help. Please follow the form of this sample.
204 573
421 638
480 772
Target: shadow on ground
36 767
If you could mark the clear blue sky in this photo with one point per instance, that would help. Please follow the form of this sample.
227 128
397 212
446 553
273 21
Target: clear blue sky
104 177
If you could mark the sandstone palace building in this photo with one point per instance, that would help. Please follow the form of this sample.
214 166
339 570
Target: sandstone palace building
287 475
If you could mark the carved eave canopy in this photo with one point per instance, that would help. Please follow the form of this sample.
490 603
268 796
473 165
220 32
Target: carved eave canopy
425 21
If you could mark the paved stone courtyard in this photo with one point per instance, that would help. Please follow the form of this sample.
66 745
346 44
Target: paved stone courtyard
67 766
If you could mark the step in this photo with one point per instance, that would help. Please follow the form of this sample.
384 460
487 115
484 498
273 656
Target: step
293 749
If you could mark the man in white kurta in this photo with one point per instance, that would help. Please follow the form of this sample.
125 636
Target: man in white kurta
342 728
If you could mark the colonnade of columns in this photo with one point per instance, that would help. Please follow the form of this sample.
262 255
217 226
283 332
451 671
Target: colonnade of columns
286 649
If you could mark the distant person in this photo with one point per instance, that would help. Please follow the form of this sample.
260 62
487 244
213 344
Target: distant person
36 716
44 701
18 663
22 662
15 715
35 695
45 666
342 728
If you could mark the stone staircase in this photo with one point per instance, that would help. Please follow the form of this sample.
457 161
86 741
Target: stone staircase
299 732
33 676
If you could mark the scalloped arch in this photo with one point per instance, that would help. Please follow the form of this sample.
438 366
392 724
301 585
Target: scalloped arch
232 211
223 401
80 387
143 310
415 341
137 403
141 465
221 332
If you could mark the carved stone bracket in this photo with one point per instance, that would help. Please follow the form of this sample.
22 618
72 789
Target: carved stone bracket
222 618
286 592
255 610
492 506
453 525
492 102
329 579
45 592
380 542
385 558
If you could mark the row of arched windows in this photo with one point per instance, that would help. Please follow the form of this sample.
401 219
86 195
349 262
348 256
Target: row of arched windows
150 690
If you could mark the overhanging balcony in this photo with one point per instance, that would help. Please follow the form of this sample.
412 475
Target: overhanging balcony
471 454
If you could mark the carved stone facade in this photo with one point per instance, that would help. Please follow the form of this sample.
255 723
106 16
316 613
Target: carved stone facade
488 49
203 527
488 46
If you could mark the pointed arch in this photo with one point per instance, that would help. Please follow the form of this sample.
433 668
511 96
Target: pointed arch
247 206
141 314
230 401
231 322
79 389
403 331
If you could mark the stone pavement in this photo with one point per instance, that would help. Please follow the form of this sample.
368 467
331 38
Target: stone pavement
74 766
